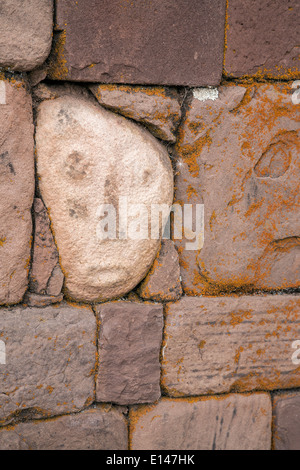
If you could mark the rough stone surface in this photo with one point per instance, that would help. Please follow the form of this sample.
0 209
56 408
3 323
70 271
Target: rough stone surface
225 344
263 39
25 34
49 91
129 347
16 188
157 108
88 157
234 422
162 283
36 300
46 276
238 154
287 421
50 359
162 42
99 428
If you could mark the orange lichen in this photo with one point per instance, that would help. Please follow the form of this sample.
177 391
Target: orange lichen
57 68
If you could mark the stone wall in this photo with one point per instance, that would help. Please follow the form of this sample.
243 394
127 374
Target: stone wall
134 341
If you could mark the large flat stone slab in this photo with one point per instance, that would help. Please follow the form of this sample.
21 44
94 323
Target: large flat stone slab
130 337
50 360
234 422
287 421
162 42
238 155
89 158
25 34
98 428
263 39
16 188
219 345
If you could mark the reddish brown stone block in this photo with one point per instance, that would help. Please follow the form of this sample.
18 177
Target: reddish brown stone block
238 154
287 421
158 42
162 283
263 39
129 347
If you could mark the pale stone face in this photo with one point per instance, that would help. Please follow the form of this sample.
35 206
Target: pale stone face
25 33
16 189
87 157
229 423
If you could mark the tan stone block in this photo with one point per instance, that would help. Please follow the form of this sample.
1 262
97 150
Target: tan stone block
99 428
238 155
226 344
16 188
233 422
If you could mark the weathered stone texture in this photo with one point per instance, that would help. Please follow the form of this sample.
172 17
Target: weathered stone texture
219 345
234 422
41 300
16 188
287 421
88 157
46 276
162 42
156 107
129 347
263 39
162 283
50 359
238 154
25 34
99 428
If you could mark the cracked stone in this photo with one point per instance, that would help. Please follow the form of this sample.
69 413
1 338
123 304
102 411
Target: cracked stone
162 43
50 359
16 189
157 108
87 158
98 428
245 143
234 422
162 283
46 276
129 347
263 39
40 300
225 344
26 33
